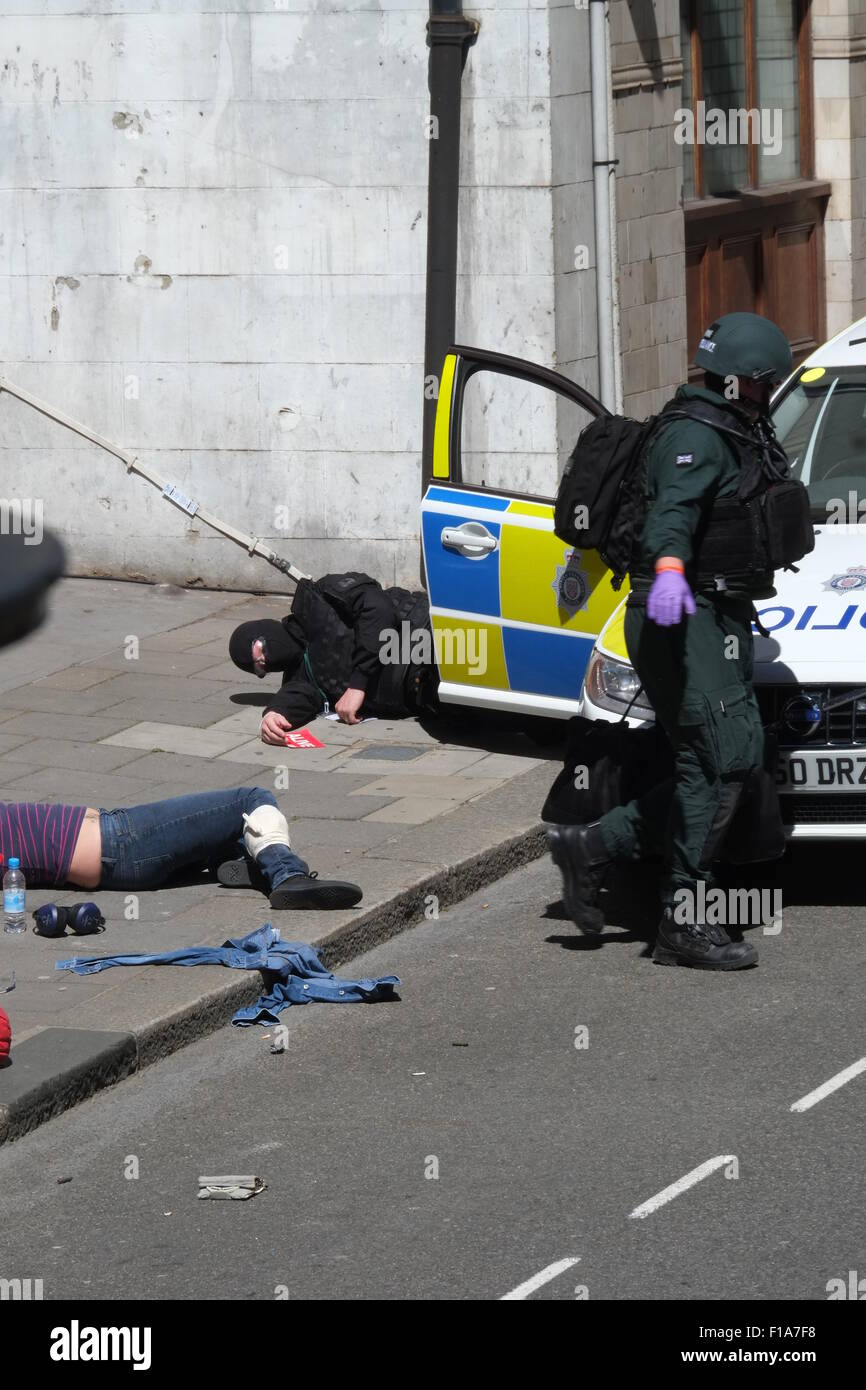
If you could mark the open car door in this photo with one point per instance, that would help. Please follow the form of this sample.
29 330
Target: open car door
515 610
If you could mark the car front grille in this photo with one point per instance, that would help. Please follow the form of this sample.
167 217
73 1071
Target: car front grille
823 810
844 726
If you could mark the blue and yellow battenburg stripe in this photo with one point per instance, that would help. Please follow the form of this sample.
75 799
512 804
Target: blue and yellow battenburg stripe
533 644
442 426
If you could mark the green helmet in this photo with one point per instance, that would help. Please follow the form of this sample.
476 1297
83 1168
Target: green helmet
745 345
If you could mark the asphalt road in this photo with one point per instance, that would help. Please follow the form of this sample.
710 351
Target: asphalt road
457 1143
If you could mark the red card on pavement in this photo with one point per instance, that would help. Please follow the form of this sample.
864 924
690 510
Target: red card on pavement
303 739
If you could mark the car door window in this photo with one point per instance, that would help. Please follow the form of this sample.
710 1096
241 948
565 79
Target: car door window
516 435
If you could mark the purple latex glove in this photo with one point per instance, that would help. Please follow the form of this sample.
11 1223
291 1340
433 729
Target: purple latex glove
669 599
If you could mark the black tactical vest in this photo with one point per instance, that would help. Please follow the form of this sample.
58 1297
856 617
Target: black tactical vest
766 527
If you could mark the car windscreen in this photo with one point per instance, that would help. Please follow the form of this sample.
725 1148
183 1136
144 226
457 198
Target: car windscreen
821 423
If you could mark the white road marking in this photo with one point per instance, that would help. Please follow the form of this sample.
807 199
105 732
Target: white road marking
841 1079
543 1277
681 1185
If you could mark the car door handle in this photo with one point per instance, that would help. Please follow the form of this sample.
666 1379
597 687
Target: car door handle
471 540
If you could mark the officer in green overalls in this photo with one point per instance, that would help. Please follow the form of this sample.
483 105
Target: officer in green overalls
688 631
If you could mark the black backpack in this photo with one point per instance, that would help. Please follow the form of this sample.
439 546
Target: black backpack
620 762
599 502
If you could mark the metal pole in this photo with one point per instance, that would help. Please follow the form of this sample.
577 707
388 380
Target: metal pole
170 492
449 35
614 231
601 165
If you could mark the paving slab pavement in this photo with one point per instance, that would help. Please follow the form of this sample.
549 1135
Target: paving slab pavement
125 696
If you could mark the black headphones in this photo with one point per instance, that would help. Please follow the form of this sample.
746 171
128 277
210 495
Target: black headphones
83 918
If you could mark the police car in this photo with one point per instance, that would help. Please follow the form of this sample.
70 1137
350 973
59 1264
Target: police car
522 622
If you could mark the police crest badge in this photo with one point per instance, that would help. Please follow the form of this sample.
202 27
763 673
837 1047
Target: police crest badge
571 584
854 578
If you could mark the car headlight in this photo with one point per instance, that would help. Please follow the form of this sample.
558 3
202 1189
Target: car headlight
613 684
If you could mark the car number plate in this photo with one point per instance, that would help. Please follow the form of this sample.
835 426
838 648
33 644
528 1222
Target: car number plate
822 770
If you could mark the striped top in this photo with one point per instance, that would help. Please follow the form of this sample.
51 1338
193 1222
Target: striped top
43 837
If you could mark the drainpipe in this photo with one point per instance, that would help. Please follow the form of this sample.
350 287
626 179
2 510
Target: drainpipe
614 241
603 172
449 36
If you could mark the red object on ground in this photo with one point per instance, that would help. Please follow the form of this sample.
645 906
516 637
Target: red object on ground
5 1036
303 739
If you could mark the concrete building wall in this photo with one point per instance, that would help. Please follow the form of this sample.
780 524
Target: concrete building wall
214 218
505 290
215 255
573 209
647 87
526 207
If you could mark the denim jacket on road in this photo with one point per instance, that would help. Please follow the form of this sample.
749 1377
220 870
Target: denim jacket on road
292 970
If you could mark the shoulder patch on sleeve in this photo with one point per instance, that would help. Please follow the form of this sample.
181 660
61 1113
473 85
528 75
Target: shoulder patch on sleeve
684 458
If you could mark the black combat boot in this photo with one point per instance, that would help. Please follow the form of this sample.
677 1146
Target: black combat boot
700 945
579 853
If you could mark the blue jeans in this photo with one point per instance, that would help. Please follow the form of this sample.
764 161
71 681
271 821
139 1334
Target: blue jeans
142 846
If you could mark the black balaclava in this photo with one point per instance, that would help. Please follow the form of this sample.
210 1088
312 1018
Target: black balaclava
284 650
712 382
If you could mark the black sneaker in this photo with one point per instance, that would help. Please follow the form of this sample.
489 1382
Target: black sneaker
241 873
309 891
578 852
700 946
299 891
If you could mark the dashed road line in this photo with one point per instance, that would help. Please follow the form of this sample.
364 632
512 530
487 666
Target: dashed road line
840 1079
543 1277
682 1185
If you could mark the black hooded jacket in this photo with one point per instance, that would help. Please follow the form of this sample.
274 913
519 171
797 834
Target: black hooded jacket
331 641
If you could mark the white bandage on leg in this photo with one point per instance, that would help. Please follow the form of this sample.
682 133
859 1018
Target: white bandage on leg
265 826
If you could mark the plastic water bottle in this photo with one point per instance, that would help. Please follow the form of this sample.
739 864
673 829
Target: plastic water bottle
14 899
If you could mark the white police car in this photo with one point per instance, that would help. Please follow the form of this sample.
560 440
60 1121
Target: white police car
810 672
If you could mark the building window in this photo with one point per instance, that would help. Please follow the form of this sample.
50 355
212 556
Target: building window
778 85
745 56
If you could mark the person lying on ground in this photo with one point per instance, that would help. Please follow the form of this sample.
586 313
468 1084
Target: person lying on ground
239 834
347 645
